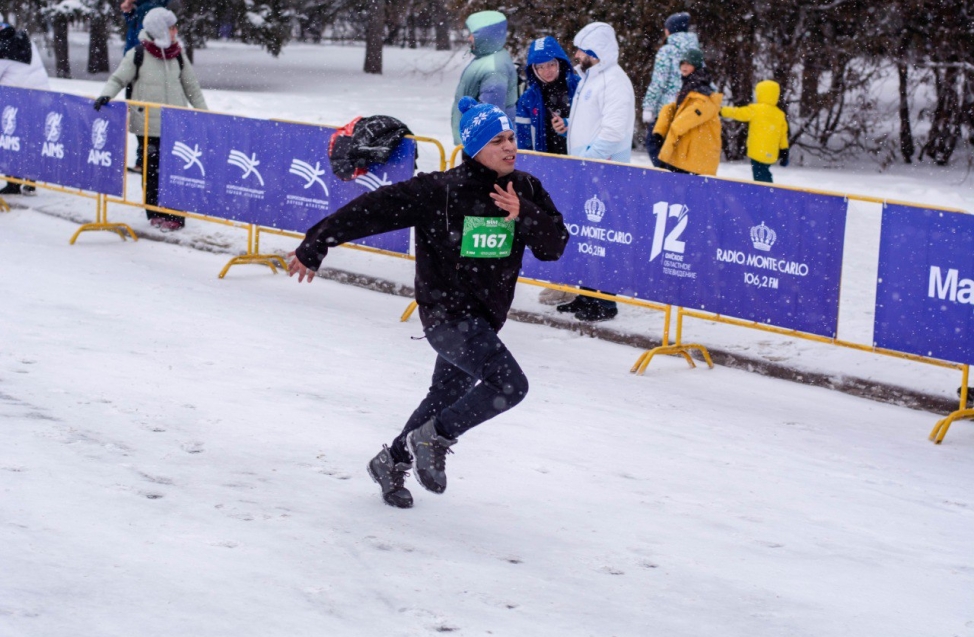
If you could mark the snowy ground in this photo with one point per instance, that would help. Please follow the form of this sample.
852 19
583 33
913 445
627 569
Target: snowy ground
184 455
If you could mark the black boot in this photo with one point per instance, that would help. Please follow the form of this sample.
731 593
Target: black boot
580 303
429 453
10 189
595 313
389 475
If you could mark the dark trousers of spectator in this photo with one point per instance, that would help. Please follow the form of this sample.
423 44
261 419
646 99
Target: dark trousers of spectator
139 151
592 301
652 147
761 171
152 185
475 378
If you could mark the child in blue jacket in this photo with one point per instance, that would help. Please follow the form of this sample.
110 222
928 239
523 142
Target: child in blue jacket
551 87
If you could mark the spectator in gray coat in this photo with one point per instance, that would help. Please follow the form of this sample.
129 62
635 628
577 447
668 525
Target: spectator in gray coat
165 77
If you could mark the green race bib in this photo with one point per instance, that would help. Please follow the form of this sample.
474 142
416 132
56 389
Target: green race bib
487 237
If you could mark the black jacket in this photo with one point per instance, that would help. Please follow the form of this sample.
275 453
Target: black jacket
449 286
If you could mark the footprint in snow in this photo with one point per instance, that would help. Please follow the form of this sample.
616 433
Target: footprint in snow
192 447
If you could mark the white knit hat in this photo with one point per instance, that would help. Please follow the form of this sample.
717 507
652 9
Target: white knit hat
156 24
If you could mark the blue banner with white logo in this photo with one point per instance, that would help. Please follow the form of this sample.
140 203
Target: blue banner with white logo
925 286
761 254
60 139
273 174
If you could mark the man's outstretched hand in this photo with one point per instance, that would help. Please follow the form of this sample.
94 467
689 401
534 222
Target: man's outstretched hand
296 267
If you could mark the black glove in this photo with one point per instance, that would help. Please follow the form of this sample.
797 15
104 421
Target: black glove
101 101
784 158
658 139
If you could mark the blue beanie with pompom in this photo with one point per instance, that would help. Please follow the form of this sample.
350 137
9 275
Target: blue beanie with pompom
480 123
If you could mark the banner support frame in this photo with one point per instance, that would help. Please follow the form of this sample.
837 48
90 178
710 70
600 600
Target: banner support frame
253 254
102 223
963 413
678 348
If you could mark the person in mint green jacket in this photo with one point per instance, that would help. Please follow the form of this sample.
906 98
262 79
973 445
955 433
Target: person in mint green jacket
667 80
491 77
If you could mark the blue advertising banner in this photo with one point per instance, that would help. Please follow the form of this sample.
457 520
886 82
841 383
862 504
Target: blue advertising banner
273 174
742 250
60 139
925 286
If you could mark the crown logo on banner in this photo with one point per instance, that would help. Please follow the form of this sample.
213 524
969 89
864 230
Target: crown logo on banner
594 209
763 237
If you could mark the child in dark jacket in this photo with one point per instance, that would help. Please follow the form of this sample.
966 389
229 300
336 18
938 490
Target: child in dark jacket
767 132
551 86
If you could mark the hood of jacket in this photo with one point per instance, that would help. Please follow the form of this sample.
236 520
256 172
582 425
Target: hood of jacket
489 31
767 92
600 38
15 45
684 41
543 50
156 26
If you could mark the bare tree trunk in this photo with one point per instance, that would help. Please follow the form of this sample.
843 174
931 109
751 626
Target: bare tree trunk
61 61
411 30
810 102
906 131
441 19
98 45
945 127
742 86
373 37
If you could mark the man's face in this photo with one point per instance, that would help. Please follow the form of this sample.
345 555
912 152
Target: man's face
500 153
686 68
584 60
548 71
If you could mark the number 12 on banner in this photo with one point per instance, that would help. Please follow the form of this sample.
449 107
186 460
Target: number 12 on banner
672 242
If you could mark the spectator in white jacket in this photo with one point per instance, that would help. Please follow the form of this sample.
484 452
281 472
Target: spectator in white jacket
603 114
600 126
21 67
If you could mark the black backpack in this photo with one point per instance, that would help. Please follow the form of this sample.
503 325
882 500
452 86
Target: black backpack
139 57
363 142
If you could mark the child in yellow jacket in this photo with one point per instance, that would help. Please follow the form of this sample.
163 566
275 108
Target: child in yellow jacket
767 133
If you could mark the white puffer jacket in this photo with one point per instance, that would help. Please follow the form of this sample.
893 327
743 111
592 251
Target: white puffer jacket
603 113
21 75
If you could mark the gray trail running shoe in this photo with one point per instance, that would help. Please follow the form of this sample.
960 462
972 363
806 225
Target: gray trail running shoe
389 475
429 453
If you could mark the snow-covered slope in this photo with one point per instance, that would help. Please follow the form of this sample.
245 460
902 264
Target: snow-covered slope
181 455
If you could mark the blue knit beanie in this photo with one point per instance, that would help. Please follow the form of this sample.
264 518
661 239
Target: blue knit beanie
480 123
678 22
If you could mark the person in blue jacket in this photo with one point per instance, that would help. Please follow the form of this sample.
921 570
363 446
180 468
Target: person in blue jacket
135 12
551 86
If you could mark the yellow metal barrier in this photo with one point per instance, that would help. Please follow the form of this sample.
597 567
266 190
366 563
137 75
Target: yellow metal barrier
453 156
4 206
963 413
102 223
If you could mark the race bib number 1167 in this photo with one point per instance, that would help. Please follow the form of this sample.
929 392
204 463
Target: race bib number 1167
486 237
